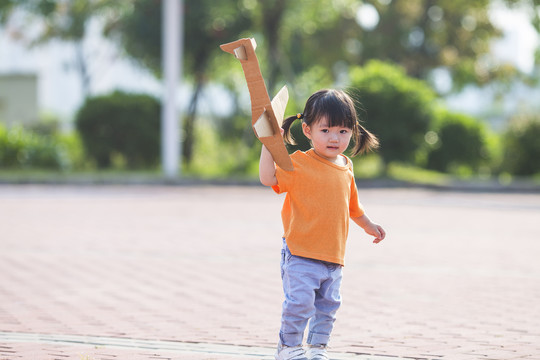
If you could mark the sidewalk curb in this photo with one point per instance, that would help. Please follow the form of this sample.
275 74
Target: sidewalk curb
176 347
517 186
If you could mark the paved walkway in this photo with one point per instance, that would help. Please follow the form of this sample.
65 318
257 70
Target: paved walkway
193 273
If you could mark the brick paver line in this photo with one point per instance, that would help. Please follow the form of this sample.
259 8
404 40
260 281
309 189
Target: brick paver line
193 273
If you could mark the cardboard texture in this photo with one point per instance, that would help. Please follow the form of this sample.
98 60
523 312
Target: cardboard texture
266 115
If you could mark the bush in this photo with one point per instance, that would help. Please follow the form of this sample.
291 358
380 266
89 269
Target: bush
457 141
20 148
398 108
215 157
121 124
522 146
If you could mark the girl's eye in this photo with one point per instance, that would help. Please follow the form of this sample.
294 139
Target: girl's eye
324 130
344 131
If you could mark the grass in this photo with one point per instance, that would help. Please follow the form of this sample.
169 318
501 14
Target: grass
87 176
372 167
115 176
416 175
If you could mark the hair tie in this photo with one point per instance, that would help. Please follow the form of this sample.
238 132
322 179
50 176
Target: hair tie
299 116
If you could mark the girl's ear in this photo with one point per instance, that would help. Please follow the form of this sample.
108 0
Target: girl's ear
307 130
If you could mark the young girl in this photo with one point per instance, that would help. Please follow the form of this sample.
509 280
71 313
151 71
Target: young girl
321 197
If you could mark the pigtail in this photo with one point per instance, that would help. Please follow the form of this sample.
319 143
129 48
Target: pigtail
286 126
364 141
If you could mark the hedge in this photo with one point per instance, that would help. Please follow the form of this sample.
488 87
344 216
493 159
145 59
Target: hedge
121 124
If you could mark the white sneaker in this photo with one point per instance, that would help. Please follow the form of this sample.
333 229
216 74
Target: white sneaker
317 352
290 353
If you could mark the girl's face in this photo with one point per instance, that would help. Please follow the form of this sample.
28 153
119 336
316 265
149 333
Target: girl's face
328 142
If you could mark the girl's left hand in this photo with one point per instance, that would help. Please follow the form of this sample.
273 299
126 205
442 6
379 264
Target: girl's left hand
371 228
379 233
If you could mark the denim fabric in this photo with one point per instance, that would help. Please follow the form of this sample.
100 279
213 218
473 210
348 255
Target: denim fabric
312 294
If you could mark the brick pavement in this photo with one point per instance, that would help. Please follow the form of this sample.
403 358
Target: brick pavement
457 278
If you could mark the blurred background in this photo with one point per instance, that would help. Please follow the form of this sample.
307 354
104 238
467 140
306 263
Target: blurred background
450 87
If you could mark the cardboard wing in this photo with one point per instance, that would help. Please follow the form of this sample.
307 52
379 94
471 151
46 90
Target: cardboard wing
266 115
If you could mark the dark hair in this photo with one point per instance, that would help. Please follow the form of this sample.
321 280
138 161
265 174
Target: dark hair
339 110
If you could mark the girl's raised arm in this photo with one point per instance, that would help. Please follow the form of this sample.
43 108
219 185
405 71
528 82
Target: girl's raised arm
267 168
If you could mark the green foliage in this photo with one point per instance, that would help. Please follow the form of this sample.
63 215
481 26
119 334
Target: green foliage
522 146
412 174
235 128
457 142
310 81
121 125
219 157
72 151
48 124
424 35
395 107
23 149
418 35
367 166
60 19
207 24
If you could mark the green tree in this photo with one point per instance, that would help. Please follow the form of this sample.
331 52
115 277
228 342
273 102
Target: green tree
419 35
521 146
297 36
294 37
394 106
422 35
20 148
457 141
207 25
121 124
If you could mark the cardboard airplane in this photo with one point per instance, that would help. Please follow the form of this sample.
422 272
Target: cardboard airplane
266 115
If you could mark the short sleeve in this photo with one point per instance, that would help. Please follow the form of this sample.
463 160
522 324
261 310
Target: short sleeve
355 208
285 180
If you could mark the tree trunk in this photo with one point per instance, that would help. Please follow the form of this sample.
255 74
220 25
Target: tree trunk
189 122
272 17
82 69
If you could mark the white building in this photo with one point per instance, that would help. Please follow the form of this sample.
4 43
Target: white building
18 99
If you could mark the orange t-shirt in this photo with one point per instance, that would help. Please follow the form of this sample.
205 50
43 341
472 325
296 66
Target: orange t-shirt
321 197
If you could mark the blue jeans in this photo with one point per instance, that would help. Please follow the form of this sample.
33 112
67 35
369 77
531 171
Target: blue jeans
312 294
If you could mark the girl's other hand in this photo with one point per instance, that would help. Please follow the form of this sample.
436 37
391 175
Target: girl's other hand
371 228
377 231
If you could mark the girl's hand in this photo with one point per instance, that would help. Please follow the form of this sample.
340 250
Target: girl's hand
377 231
371 228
